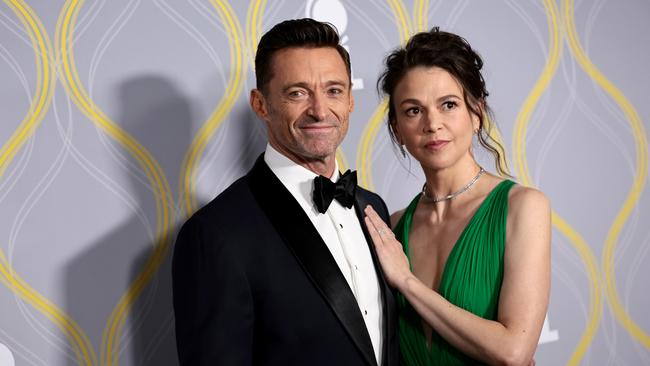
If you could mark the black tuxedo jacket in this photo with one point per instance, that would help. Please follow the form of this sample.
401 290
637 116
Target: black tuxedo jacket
254 284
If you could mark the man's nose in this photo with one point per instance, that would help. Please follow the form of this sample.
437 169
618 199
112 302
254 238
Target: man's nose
318 107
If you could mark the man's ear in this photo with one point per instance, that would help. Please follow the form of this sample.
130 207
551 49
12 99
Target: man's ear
258 104
351 102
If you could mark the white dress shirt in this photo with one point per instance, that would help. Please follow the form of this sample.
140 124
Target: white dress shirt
341 231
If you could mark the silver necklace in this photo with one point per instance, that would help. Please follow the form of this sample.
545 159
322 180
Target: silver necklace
454 194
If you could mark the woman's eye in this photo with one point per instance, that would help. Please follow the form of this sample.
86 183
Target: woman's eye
449 105
412 112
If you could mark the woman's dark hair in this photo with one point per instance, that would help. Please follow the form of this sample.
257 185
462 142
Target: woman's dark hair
304 32
452 53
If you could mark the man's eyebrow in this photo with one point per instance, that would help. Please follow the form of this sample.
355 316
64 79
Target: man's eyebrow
337 82
300 84
305 85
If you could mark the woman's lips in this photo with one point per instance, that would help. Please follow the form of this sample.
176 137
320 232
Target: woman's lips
436 145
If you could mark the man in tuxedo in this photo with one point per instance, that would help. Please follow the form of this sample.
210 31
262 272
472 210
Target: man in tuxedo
279 269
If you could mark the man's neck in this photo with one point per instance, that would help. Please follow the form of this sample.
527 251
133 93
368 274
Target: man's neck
319 166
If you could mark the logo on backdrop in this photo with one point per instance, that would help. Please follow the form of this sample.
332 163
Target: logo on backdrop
548 335
333 11
6 358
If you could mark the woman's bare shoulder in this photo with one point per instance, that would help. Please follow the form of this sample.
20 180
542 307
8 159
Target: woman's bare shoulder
396 216
530 200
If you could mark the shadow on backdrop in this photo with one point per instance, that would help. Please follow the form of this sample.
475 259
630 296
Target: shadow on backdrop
157 114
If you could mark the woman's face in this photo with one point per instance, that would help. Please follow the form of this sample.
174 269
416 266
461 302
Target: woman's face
432 120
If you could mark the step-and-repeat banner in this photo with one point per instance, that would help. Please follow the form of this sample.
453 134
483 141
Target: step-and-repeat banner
117 118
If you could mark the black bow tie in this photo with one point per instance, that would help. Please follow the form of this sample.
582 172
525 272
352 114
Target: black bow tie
343 190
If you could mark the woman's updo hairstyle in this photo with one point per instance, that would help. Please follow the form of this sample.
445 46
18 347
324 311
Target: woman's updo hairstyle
452 53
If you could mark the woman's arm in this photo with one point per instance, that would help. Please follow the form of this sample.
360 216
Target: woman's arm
512 338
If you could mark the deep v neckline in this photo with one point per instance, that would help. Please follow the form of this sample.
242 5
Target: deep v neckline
454 249
428 333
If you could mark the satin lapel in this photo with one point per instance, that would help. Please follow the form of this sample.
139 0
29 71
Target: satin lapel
389 322
312 253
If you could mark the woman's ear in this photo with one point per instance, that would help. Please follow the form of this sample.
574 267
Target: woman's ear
477 117
395 131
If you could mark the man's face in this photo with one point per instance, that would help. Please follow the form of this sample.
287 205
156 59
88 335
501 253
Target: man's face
306 104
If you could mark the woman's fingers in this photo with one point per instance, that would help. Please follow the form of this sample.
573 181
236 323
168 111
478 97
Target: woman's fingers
378 224
374 234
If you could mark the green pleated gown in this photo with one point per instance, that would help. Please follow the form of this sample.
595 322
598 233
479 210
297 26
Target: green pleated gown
471 279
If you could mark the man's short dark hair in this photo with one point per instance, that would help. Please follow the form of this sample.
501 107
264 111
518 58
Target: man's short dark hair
295 33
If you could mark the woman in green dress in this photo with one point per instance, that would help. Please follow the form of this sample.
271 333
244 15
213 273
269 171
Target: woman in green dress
470 255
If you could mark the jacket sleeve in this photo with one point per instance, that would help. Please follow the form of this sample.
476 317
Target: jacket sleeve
213 304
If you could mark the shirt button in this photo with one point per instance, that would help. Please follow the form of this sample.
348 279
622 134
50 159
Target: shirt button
365 312
341 225
355 267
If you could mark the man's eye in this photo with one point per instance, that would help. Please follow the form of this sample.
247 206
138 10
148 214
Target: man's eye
448 105
335 91
412 112
296 93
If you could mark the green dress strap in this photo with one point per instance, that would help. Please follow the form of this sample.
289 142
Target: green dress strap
471 278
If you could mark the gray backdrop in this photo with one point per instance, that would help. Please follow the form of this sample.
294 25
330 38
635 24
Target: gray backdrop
119 118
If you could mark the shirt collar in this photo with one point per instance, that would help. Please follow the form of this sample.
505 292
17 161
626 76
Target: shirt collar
297 179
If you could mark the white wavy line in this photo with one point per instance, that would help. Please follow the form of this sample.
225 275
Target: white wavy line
209 13
558 123
455 13
137 319
385 9
19 166
32 198
52 338
541 108
432 12
11 176
11 61
231 172
271 16
102 178
567 279
17 29
46 334
157 338
195 34
637 264
625 242
18 349
391 175
375 29
107 38
133 170
86 19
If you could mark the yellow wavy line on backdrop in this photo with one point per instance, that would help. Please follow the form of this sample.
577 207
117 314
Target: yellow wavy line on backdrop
160 186
38 108
80 343
641 146
369 134
420 12
233 90
254 16
521 166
